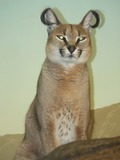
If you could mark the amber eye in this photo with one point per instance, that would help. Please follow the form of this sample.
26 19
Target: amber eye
60 37
80 39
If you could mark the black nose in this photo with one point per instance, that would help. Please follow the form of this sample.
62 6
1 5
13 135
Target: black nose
71 48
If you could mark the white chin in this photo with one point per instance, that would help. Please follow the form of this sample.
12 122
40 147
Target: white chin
66 61
70 60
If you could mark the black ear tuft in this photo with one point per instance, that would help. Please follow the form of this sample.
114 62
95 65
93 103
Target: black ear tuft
49 18
44 21
89 18
96 15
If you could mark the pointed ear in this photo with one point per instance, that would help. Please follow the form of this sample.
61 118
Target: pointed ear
49 18
88 19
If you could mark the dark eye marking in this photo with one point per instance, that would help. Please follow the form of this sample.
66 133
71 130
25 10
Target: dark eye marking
80 39
62 38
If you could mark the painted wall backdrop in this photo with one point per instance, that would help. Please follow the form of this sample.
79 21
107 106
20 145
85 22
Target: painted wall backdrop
22 52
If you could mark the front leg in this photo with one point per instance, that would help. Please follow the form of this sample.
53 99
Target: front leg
28 151
49 139
83 124
81 133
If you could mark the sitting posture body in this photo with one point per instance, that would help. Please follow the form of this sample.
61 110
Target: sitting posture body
60 111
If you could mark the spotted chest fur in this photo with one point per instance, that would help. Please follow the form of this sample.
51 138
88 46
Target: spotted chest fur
65 126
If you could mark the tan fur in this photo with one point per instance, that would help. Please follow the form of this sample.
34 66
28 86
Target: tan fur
60 112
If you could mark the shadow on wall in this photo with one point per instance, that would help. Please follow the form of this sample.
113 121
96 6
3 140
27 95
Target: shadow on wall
94 53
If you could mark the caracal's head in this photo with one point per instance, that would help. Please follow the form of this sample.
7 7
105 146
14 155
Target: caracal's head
68 44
